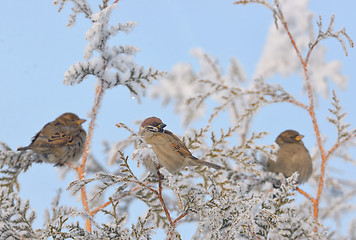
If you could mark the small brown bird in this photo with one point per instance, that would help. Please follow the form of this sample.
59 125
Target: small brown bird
170 151
292 156
60 141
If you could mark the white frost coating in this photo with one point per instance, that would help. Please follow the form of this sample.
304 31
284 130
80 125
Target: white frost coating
187 87
231 203
322 71
143 151
98 64
279 56
98 33
109 76
110 64
180 85
206 61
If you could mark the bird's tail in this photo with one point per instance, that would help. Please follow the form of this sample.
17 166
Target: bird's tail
23 148
205 163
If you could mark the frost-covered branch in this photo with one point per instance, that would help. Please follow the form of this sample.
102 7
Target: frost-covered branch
329 33
234 203
15 217
308 70
12 164
111 66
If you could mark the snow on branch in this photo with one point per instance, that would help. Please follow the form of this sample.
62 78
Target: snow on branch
12 164
15 217
279 56
80 6
231 92
330 33
235 202
338 119
110 64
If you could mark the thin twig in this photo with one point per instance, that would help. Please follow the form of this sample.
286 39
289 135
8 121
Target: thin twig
80 170
96 210
299 104
336 145
311 109
22 238
160 198
255 1
159 195
180 217
306 195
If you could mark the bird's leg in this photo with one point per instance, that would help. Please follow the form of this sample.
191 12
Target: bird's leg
159 175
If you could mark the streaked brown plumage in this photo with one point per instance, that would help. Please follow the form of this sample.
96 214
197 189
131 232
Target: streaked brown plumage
292 156
59 141
170 151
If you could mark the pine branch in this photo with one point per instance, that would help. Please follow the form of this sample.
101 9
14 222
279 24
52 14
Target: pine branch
15 218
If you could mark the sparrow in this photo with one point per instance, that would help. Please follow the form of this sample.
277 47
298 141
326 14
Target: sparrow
59 141
292 156
171 152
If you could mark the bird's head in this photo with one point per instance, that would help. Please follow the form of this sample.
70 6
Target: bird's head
70 119
289 136
153 124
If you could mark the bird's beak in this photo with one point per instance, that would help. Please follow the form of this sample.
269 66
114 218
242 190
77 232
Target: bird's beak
80 121
299 137
161 126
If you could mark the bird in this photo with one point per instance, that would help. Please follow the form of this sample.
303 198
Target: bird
60 141
292 156
171 153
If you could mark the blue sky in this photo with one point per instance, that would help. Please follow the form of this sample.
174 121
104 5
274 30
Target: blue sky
36 49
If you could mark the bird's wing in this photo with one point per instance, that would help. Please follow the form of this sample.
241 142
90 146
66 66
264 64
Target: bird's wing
179 146
184 152
175 143
53 135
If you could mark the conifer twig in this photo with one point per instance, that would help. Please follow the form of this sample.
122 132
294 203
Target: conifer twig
99 91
